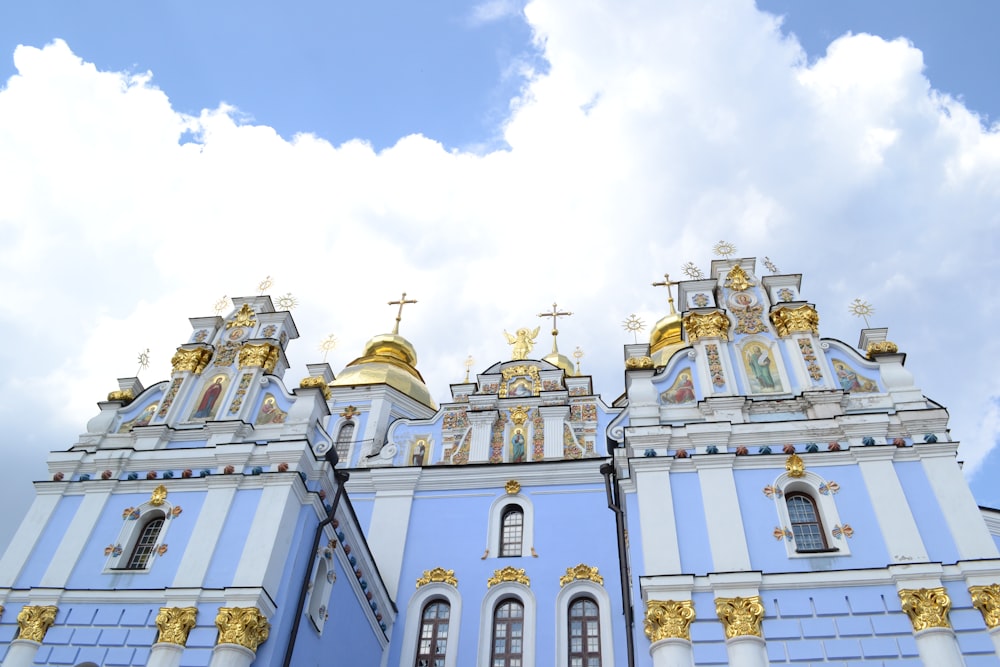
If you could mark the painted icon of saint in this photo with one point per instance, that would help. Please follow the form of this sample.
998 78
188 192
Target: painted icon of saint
206 407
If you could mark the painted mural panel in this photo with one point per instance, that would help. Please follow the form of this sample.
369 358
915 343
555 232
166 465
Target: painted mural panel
269 412
142 419
681 391
851 380
762 372
208 402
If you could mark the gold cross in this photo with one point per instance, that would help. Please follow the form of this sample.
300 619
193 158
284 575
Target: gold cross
554 314
468 366
670 295
402 302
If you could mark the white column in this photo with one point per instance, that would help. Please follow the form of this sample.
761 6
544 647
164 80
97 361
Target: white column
21 653
165 655
266 549
722 514
672 652
390 520
749 651
554 418
892 510
961 512
23 542
231 655
938 647
482 428
208 528
995 636
660 547
75 538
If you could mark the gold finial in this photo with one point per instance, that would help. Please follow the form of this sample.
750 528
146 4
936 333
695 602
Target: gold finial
244 626
264 285
508 574
926 607
512 486
740 616
668 619
581 571
244 318
159 496
143 361
287 302
635 325
861 308
724 249
795 466
174 624
987 600
33 622
770 266
469 362
670 294
438 575
692 271
402 302
578 355
221 304
555 314
738 279
327 344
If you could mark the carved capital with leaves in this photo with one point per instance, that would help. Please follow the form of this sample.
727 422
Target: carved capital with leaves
803 319
741 617
34 622
668 618
926 607
193 360
259 355
174 624
707 325
987 600
244 626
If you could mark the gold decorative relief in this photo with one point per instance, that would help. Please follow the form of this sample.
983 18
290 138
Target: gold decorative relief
987 600
174 624
123 395
514 371
581 571
245 626
259 355
34 622
512 486
438 575
882 347
633 363
795 466
519 415
191 360
668 618
244 318
521 342
349 412
516 575
926 607
803 319
158 496
738 280
316 382
709 325
740 616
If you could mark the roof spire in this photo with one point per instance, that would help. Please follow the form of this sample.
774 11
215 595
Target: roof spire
402 302
670 295
556 313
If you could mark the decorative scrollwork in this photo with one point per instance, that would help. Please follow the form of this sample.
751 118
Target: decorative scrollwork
259 355
516 575
738 280
581 571
795 466
244 626
668 618
987 600
244 318
803 319
740 616
882 347
709 325
174 624
514 371
33 622
316 382
512 486
438 575
192 360
926 607
159 496
638 362
123 395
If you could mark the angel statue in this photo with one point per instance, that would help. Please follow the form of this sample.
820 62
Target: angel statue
522 341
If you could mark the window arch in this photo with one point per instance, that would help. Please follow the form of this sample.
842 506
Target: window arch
807 528
505 513
434 592
507 645
345 438
146 543
511 531
141 538
584 633
568 596
432 643
807 513
500 602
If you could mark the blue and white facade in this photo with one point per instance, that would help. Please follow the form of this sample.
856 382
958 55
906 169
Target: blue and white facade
758 495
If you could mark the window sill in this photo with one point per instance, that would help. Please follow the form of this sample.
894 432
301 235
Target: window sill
807 552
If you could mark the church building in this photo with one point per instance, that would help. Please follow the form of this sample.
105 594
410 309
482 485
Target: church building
756 495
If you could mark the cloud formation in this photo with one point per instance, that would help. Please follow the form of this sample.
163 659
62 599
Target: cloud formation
656 130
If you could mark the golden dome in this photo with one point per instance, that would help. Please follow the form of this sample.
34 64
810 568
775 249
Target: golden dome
388 359
666 337
561 361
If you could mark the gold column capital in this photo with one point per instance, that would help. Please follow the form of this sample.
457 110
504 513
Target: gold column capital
34 622
259 355
316 382
244 626
803 319
668 618
926 607
987 600
174 624
740 616
193 360
707 325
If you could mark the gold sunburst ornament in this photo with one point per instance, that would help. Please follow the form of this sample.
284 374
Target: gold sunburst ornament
633 324
770 265
143 361
264 285
692 271
724 249
861 308
221 304
287 302
327 344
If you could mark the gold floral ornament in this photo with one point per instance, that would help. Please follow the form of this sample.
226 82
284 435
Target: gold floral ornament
34 622
803 319
667 619
926 607
709 325
123 395
259 355
740 616
191 360
581 571
738 280
519 414
795 466
316 382
349 412
512 486
159 496
244 318
640 362
244 626
987 600
174 624
516 575
882 347
438 575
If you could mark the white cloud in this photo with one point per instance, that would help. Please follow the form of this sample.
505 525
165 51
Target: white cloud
494 10
658 129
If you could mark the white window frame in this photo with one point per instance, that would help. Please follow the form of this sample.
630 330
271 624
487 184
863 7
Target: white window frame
130 533
341 424
495 529
568 593
499 592
321 579
414 619
809 484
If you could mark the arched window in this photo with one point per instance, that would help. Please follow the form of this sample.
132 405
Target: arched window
345 438
584 633
432 645
511 531
145 546
806 525
508 634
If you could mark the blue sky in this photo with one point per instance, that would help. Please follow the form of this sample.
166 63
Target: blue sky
558 139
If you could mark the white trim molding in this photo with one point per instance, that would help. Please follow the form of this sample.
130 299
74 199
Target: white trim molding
494 532
414 612
500 592
570 592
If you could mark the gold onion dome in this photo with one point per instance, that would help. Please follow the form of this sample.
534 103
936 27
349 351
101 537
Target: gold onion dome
561 361
388 359
665 338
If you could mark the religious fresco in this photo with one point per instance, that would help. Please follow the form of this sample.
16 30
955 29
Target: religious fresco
761 369
681 391
142 419
208 403
269 412
851 380
419 451
520 388
518 449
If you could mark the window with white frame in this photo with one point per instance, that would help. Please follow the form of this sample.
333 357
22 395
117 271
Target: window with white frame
508 634
511 531
145 546
432 644
511 528
507 627
345 438
808 516
443 631
583 625
141 538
